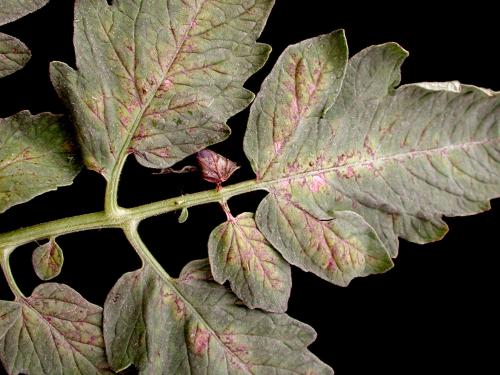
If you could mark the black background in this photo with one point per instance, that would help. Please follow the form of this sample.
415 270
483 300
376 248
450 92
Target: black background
434 313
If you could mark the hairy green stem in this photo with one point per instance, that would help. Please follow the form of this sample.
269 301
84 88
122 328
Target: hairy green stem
111 206
120 218
7 272
141 249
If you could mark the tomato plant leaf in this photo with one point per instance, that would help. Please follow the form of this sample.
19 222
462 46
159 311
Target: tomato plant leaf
12 10
47 260
338 249
401 158
257 273
13 55
36 155
55 331
193 325
215 168
159 78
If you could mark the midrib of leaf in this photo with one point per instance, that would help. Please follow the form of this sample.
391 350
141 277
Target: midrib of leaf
366 163
111 198
145 254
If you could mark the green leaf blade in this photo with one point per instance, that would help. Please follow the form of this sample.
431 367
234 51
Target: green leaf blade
159 79
337 249
401 158
12 10
238 252
36 155
14 55
193 325
48 260
55 331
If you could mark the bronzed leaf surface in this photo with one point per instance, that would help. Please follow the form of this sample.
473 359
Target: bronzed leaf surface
36 155
238 252
401 158
214 167
11 10
159 78
13 55
47 260
54 332
193 325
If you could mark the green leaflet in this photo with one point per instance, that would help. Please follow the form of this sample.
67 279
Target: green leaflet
238 252
300 90
55 331
48 260
36 156
159 78
11 10
338 249
13 55
192 325
401 158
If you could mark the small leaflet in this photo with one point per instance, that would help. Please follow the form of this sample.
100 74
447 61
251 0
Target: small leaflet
215 168
48 260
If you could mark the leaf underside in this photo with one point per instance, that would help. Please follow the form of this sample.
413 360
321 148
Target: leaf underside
55 331
48 260
12 10
13 55
159 78
36 155
193 325
238 252
351 162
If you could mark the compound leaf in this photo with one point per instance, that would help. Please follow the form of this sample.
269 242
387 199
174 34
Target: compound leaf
55 331
48 260
401 158
238 252
12 10
13 55
159 78
193 325
36 155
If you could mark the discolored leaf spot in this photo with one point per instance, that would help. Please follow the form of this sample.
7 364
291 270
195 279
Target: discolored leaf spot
36 155
48 260
55 331
238 252
13 55
215 168
11 10
325 142
338 249
157 78
193 325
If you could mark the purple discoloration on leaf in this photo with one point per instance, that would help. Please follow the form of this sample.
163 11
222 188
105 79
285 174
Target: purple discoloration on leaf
215 168
47 260
258 275
162 69
13 55
402 158
55 331
215 335
36 155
